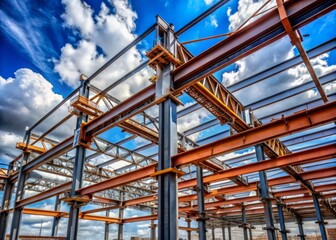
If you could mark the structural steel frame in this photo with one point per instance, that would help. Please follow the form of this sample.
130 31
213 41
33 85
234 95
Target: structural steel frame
169 184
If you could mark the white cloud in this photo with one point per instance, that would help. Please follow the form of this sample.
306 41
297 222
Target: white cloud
213 21
267 57
246 8
25 99
208 2
102 36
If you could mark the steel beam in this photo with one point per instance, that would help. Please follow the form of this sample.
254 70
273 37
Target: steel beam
250 234
287 125
77 179
5 204
244 225
200 204
265 196
188 220
281 217
120 180
306 156
319 217
249 39
56 220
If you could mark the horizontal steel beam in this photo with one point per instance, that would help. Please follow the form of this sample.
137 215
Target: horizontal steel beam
249 39
281 127
120 180
44 195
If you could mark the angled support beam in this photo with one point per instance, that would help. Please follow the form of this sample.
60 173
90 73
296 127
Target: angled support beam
319 217
296 41
265 196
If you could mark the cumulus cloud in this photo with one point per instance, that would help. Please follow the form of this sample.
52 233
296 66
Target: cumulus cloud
246 8
212 21
101 37
267 57
26 97
208 2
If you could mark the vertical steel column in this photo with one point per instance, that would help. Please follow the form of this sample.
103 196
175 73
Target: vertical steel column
188 220
283 230
301 232
57 207
121 216
167 182
223 232
319 217
213 232
200 204
15 228
77 180
107 227
153 230
244 223
5 204
229 232
265 196
250 232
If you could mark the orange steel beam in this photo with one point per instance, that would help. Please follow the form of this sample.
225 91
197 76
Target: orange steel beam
309 155
323 173
260 33
120 180
296 41
281 127
52 213
100 209
140 219
45 195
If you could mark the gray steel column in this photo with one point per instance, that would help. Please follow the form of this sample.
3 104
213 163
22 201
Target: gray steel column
121 216
153 230
265 196
319 217
57 207
107 227
229 232
244 223
301 232
283 230
188 220
77 180
5 204
213 232
223 232
200 204
15 228
167 182
250 233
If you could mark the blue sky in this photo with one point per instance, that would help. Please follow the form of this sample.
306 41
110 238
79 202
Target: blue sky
45 44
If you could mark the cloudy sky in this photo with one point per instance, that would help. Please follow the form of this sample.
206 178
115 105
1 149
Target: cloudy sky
46 45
